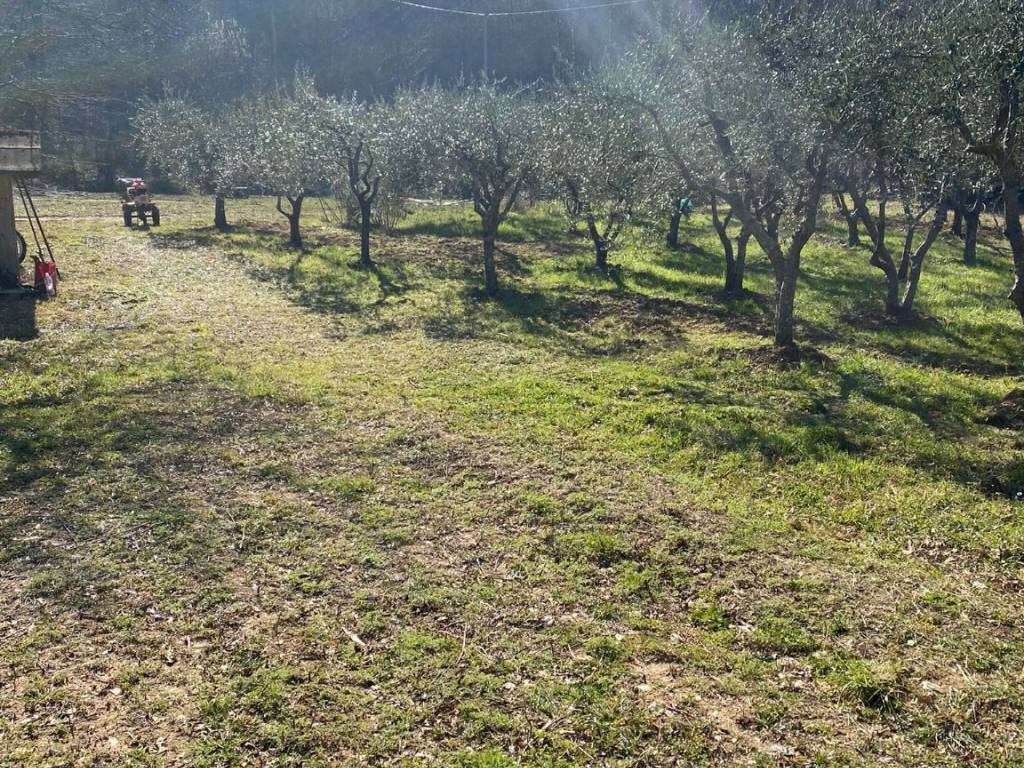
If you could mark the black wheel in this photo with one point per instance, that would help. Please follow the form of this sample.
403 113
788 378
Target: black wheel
127 216
22 247
156 216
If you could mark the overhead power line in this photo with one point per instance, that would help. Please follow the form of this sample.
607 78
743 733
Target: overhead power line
460 12
488 15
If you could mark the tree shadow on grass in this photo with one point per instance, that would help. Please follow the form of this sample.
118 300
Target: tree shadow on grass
323 276
93 471
831 420
694 258
604 318
510 263
185 240
388 287
599 322
530 227
18 316
836 426
519 228
857 287
923 339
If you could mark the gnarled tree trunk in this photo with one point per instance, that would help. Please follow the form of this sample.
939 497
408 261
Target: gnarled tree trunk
917 261
600 245
735 262
908 245
364 183
734 277
493 198
850 216
1003 154
490 220
785 300
786 261
294 216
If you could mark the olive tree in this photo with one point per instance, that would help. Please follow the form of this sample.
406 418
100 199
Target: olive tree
594 153
190 145
969 193
849 213
887 154
356 127
285 147
747 113
402 165
679 206
975 57
766 207
479 137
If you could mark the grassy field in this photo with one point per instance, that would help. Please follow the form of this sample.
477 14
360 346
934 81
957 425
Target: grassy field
261 508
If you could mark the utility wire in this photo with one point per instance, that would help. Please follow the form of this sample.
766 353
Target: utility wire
486 16
537 12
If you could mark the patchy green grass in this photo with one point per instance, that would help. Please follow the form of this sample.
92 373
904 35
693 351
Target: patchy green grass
261 506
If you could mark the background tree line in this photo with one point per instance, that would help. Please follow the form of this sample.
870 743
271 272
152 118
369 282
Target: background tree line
76 68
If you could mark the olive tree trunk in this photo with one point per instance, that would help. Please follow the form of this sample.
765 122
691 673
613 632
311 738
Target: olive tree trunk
850 216
734 276
600 245
785 261
785 298
901 281
364 233
492 200
672 236
917 261
1012 228
294 216
490 271
735 259
220 216
908 245
972 219
490 220
892 289
1003 156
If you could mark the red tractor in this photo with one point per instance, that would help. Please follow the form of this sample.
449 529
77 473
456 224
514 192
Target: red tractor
135 202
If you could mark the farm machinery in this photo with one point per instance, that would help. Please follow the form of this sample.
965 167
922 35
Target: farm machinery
136 203
20 159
